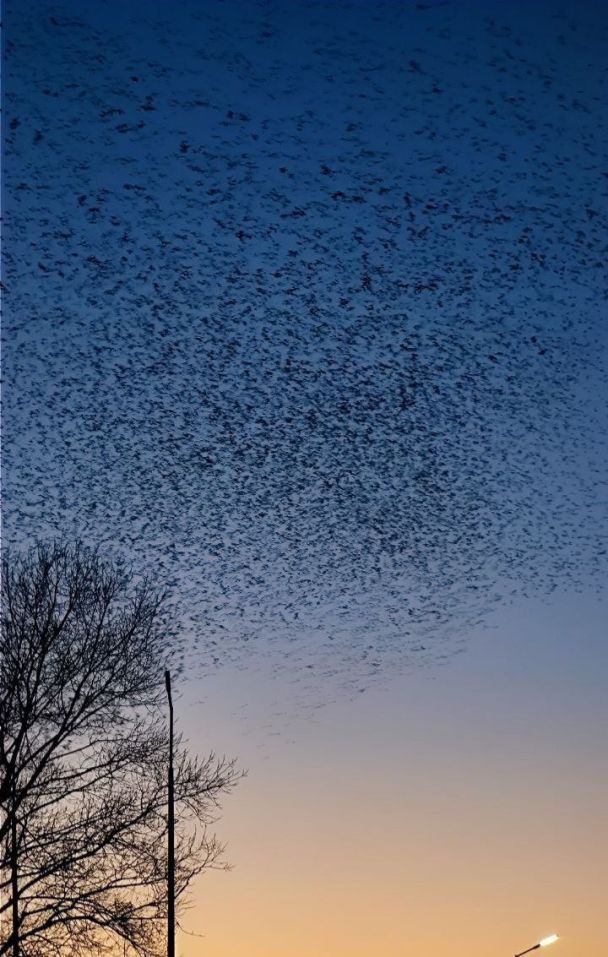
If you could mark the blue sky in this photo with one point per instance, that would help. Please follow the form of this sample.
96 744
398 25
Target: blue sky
304 309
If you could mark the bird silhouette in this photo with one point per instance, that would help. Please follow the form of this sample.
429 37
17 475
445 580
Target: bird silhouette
303 311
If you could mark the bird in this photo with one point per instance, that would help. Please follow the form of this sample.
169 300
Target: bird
322 347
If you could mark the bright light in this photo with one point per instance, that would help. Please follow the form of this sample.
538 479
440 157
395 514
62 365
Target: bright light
548 940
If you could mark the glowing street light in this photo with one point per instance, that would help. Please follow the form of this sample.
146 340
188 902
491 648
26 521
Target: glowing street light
542 943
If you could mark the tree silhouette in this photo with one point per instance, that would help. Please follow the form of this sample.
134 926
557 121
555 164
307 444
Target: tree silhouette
83 760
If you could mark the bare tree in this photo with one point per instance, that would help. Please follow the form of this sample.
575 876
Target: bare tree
83 759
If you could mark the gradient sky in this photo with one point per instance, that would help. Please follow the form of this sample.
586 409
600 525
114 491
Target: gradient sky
304 310
459 812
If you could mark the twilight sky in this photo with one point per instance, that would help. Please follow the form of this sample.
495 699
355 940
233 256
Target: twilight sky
304 308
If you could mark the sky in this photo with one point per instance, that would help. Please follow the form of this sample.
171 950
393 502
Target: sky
304 312
461 812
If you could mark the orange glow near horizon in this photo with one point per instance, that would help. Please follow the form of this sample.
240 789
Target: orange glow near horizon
455 814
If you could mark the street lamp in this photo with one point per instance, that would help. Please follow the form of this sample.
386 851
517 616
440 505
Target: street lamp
170 832
542 943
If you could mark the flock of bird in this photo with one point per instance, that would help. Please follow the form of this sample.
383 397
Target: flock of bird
304 312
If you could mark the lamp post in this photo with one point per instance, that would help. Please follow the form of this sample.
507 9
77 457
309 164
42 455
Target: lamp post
542 943
170 833
13 858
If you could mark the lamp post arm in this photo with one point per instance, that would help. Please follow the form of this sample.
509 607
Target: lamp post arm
529 950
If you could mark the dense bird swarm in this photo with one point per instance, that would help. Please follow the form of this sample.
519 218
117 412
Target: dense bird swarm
304 309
